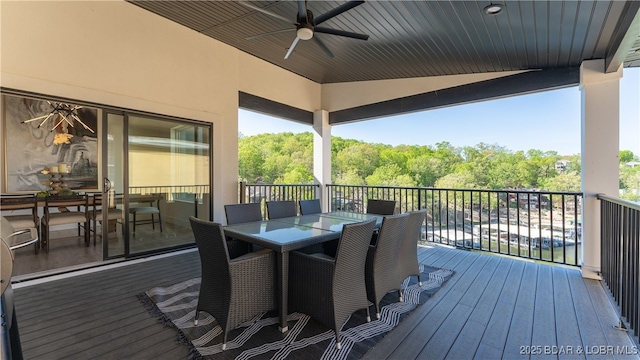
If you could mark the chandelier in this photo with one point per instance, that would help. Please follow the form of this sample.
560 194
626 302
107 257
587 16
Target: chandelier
63 115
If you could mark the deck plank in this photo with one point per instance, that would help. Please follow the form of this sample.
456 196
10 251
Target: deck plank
567 333
521 328
437 310
489 308
591 331
544 324
606 313
493 339
473 307
392 340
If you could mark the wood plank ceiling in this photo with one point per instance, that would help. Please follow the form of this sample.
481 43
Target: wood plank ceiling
422 38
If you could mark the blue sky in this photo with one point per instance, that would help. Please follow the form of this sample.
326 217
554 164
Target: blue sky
545 121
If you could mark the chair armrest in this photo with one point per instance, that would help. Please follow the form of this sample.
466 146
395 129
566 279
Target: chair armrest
311 284
33 239
319 260
251 256
254 263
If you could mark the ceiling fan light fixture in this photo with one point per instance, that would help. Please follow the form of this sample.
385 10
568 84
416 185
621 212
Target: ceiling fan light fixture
493 9
304 33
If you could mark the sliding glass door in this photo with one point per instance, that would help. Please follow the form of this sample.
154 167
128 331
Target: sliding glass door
168 181
156 175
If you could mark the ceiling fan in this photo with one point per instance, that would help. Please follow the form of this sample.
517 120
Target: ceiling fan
306 25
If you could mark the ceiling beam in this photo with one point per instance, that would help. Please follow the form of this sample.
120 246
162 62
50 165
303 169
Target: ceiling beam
519 84
626 34
270 107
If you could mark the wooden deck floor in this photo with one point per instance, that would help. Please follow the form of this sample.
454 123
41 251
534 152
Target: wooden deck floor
493 307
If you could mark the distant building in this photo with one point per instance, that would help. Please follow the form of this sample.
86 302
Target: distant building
561 165
632 164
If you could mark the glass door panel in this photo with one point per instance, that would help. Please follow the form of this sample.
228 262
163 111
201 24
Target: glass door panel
168 177
111 203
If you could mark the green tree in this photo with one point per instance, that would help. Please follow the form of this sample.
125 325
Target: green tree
626 156
296 174
457 180
250 161
389 175
567 181
363 158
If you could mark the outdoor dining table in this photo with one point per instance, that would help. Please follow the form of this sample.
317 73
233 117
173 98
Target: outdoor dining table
292 233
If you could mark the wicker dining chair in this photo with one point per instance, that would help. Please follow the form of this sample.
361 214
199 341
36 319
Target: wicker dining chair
408 253
241 213
382 259
281 209
232 290
21 211
381 207
310 207
331 289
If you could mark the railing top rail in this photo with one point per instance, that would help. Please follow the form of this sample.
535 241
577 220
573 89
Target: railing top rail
512 191
248 184
615 200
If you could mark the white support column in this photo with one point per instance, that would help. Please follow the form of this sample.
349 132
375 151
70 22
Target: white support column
322 153
600 152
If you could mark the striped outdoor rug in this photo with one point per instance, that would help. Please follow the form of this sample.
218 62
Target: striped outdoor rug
259 338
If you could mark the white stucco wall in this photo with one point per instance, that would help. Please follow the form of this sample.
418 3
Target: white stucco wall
115 53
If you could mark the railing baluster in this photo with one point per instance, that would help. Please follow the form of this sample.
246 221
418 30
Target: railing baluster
445 203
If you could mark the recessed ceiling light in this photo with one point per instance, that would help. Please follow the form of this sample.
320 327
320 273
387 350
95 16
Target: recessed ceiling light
493 9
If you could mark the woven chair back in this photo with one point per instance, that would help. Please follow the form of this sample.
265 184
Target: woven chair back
381 207
281 209
408 253
214 260
241 213
310 207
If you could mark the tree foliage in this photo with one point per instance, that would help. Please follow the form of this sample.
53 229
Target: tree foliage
288 158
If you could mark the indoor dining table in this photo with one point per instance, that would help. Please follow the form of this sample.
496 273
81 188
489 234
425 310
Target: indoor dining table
292 233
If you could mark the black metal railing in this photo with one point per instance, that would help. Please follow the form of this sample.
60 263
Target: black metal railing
619 254
538 225
261 193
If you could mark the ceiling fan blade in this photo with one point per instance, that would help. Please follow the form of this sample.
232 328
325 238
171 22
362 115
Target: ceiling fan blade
337 11
323 47
270 33
292 47
340 33
302 11
266 12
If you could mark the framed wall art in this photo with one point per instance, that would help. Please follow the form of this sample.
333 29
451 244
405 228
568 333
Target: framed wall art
49 143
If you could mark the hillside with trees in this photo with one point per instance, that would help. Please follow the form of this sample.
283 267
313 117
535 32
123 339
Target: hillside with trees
287 158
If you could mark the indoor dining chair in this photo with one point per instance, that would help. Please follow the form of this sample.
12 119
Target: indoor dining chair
21 211
281 209
63 210
148 206
310 207
113 204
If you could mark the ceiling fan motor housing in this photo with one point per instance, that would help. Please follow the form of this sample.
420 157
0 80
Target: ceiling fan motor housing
305 26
